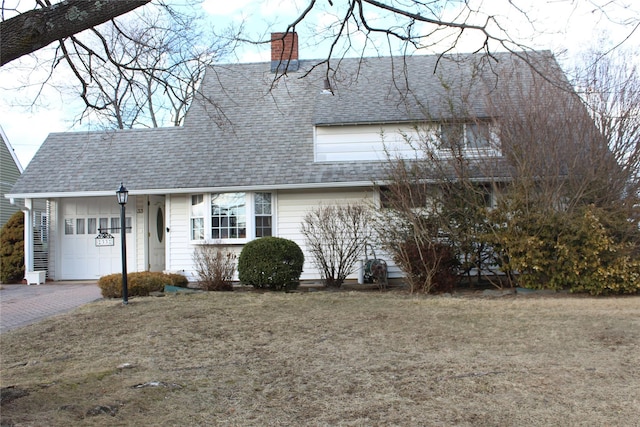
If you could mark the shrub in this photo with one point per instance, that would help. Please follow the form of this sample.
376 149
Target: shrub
139 284
336 236
215 267
271 263
429 267
564 250
12 249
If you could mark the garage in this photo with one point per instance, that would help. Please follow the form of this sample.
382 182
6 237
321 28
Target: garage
82 220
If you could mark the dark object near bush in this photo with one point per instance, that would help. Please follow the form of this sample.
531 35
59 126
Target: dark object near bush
12 249
271 263
139 284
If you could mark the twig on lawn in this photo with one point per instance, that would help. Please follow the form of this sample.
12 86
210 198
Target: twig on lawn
471 374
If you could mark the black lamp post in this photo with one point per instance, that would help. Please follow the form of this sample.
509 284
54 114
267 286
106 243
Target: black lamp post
123 195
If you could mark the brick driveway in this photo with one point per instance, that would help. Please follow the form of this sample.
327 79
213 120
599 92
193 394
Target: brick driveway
21 305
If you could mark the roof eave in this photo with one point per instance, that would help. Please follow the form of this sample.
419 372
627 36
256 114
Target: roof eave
190 190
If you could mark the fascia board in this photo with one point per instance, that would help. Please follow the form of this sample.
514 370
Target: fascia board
161 191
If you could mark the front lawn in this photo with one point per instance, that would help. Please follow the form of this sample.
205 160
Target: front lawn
328 358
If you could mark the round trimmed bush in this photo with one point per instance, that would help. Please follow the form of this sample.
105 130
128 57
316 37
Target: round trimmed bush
271 263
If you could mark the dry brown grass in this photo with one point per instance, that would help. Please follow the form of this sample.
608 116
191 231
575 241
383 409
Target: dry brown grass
328 358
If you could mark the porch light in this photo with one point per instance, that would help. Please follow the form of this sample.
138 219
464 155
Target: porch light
123 195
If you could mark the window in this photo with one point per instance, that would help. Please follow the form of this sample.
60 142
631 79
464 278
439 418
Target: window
263 214
104 225
68 226
430 196
414 196
197 217
231 216
465 136
115 225
478 135
80 226
92 226
159 225
480 194
228 216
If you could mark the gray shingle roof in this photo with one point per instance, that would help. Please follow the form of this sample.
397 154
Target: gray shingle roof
245 129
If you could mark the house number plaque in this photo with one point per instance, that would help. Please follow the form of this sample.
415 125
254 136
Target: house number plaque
104 239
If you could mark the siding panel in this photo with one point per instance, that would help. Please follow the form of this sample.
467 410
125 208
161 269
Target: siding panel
293 206
366 142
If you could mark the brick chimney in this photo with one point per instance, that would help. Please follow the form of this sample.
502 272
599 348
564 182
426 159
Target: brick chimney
284 52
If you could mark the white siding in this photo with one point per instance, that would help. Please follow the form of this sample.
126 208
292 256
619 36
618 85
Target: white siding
367 142
291 207
52 268
294 205
179 248
350 143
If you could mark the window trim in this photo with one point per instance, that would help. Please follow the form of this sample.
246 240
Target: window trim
250 217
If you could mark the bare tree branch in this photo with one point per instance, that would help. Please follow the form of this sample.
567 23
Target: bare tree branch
35 29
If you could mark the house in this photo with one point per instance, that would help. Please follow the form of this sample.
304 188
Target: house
10 170
35 210
262 144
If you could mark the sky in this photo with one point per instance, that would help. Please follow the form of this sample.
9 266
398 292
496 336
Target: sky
566 27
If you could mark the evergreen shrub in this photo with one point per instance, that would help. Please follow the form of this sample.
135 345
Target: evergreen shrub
571 251
271 263
12 249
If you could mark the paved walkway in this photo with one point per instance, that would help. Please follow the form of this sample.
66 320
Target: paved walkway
21 305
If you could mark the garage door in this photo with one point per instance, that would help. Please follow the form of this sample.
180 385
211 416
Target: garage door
82 219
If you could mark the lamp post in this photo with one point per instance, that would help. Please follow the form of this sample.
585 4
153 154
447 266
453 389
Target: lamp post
122 194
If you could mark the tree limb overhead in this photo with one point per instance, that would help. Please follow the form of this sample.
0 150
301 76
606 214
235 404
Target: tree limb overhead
30 31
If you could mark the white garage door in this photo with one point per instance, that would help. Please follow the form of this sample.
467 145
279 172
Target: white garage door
82 219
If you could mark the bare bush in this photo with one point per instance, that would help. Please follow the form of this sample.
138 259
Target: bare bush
545 164
336 237
215 267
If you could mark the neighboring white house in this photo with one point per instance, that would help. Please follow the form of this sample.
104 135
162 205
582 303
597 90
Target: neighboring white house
254 155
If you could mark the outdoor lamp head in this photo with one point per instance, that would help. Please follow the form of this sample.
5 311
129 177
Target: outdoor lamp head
122 195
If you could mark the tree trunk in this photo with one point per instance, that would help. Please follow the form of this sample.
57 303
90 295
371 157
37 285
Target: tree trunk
30 31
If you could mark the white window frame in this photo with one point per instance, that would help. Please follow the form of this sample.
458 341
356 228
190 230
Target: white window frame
200 216
250 213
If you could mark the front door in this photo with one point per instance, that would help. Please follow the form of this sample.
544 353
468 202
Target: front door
156 235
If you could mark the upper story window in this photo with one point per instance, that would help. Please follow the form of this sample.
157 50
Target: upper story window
231 217
466 136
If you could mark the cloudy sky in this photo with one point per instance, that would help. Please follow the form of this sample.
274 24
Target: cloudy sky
566 27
